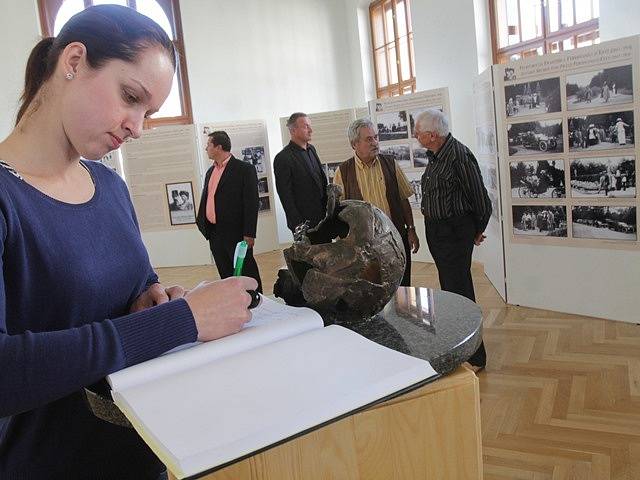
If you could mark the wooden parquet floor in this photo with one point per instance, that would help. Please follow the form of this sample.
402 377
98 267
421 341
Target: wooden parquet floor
560 396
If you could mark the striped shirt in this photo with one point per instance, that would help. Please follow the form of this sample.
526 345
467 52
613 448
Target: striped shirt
452 185
372 186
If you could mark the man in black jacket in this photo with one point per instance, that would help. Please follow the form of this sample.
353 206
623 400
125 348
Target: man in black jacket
300 179
228 210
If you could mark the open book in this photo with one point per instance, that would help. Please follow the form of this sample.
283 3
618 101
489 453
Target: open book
285 373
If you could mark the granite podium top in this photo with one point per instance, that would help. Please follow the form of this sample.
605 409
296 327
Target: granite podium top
441 327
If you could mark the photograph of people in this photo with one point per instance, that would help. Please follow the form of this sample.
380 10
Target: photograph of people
264 205
606 223
601 131
543 178
331 169
533 220
180 198
254 156
535 138
533 98
80 298
400 154
416 184
603 177
610 86
392 126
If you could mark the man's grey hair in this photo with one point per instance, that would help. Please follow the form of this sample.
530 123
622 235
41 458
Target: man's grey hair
353 132
433 120
291 122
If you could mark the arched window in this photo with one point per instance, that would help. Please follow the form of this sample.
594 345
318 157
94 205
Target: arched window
177 109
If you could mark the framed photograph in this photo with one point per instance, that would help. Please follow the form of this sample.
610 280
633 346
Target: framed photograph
540 220
535 138
612 177
604 223
255 156
533 98
264 204
486 140
392 126
610 86
541 179
509 74
414 114
263 186
420 158
415 180
400 153
601 131
180 201
331 169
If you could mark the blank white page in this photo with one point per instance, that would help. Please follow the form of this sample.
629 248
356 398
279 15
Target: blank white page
270 321
221 411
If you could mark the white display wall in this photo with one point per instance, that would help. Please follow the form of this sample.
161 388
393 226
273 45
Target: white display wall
567 168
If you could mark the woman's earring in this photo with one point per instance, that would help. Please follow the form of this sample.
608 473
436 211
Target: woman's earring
69 76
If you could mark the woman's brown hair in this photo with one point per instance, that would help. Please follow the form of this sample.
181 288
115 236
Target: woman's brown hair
107 31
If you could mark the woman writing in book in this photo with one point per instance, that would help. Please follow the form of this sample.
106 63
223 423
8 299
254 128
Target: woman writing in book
78 297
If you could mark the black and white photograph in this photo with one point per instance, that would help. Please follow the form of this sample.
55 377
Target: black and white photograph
263 204
489 175
611 86
180 200
535 138
263 186
533 98
486 140
331 169
540 220
254 156
604 223
392 126
509 74
413 114
601 132
420 158
415 180
400 153
613 177
539 179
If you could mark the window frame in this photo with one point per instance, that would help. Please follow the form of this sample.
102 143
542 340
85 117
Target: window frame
48 11
398 88
502 55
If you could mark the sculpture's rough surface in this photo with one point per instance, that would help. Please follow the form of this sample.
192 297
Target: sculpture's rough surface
355 275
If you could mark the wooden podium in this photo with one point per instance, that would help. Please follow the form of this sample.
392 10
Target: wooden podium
430 433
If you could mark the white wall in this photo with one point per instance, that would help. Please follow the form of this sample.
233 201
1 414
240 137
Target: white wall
619 18
444 38
19 32
258 59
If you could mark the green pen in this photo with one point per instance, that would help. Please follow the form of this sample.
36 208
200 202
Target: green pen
238 262
238 257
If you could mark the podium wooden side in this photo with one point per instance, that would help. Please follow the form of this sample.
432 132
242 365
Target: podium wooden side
430 433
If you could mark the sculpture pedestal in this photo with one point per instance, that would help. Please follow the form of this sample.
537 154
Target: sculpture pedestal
430 433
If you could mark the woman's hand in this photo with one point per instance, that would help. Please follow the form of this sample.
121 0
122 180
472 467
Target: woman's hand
155 295
220 308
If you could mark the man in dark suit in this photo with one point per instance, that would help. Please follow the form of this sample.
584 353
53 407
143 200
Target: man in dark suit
300 179
228 210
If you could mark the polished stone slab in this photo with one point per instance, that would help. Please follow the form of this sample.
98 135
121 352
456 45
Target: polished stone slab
443 328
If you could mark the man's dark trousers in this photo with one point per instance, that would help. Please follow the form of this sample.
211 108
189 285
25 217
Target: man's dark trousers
451 243
223 248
